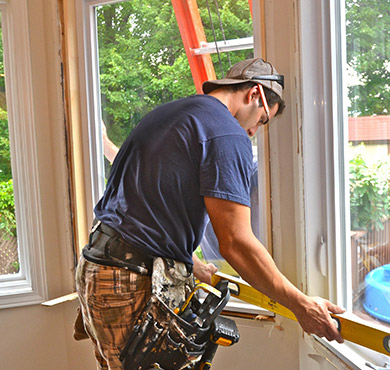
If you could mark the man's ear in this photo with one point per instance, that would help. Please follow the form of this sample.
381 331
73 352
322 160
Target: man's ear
252 93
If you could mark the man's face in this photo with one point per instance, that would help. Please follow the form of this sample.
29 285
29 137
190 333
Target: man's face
251 117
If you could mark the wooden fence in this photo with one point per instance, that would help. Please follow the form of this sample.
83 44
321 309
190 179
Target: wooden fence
370 250
9 258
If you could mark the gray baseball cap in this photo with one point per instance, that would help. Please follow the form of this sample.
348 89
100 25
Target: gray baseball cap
255 70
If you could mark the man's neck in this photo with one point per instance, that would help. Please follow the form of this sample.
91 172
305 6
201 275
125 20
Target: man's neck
232 100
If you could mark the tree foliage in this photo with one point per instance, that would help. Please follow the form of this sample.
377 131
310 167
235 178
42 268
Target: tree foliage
142 61
7 210
234 15
368 56
5 156
369 193
135 38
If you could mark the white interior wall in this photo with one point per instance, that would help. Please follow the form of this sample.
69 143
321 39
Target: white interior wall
36 337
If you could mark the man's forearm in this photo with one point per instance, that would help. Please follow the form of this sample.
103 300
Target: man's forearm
237 243
256 266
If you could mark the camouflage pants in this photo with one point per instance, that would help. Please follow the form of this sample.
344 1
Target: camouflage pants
111 300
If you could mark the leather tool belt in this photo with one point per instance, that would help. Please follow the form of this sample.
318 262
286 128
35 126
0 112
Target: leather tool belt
107 247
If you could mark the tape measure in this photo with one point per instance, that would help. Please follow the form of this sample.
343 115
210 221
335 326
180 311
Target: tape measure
353 331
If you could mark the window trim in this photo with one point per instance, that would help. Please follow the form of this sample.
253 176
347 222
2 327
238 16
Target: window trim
29 285
89 78
322 159
263 150
92 68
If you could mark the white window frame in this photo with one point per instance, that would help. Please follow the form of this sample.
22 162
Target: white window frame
324 119
29 285
89 82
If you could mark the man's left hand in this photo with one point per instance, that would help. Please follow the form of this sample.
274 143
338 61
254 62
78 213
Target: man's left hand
203 271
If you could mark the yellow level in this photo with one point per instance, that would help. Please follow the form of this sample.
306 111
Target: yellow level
367 336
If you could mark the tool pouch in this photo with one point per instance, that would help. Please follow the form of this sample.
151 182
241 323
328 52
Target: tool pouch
161 338
172 281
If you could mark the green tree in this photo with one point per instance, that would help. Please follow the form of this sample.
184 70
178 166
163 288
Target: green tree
138 41
142 59
368 55
7 205
7 210
5 158
236 23
369 193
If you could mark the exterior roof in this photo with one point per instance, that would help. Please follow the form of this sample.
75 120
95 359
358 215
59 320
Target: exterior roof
372 128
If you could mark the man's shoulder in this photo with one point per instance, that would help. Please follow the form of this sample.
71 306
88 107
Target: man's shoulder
200 100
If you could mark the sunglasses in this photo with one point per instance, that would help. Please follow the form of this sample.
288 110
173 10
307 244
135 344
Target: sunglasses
277 78
264 101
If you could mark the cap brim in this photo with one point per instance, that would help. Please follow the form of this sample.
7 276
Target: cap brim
209 86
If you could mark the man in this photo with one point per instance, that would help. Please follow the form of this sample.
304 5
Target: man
185 159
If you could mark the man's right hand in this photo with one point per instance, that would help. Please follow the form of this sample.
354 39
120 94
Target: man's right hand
313 314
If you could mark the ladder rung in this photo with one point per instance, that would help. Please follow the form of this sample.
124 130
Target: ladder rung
224 46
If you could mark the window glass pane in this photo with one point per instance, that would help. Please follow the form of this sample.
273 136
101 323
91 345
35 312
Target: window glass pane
226 20
368 71
9 260
142 63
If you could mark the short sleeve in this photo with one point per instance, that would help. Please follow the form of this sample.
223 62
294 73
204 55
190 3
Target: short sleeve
226 167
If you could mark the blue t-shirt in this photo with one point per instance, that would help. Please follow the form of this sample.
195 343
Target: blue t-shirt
209 243
178 153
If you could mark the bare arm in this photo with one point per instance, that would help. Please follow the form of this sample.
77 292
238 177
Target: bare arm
109 148
239 246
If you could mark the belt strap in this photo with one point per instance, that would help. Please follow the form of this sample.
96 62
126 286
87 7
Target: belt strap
107 247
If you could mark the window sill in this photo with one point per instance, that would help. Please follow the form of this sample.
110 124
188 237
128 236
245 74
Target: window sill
19 296
18 291
347 355
59 300
238 307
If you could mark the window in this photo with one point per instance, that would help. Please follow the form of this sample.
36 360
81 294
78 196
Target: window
135 61
23 282
9 260
141 63
346 156
368 125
